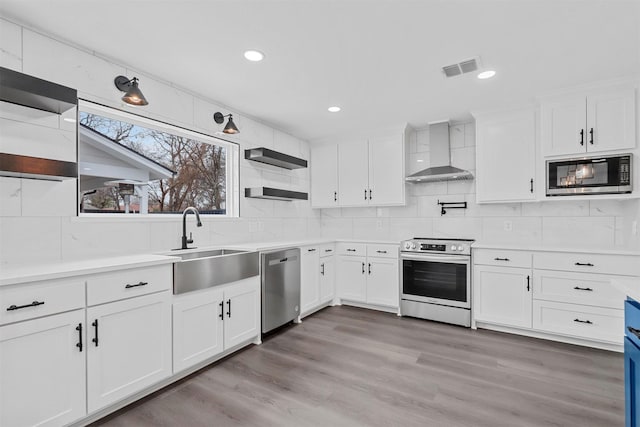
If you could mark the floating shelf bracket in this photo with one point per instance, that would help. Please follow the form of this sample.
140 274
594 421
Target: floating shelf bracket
451 205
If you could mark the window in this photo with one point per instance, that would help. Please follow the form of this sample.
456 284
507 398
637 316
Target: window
133 165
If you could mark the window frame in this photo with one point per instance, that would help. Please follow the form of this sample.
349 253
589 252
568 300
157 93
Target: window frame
232 187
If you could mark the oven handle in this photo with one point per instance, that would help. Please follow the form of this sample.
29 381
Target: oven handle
453 259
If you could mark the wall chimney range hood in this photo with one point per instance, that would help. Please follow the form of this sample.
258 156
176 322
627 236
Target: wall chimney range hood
441 169
29 91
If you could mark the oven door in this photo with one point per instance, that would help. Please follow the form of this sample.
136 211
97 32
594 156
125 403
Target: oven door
436 279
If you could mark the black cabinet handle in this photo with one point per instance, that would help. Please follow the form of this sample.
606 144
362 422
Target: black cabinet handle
369 268
528 283
584 264
335 196
136 285
79 344
502 259
531 185
311 250
581 136
363 268
95 326
587 322
284 259
634 331
370 194
18 307
229 309
365 194
591 136
328 250
322 269
381 252
221 315
351 250
578 288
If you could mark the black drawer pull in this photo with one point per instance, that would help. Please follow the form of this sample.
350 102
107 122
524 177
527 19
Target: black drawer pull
588 322
311 250
18 307
229 309
95 326
381 252
221 315
578 288
634 331
136 285
328 250
502 259
79 344
351 250
584 264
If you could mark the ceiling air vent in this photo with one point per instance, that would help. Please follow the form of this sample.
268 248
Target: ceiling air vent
466 66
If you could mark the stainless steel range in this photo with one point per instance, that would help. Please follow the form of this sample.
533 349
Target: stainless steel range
435 278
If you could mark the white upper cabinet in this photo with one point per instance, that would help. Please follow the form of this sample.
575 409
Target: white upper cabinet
386 171
324 176
359 171
353 173
590 121
506 139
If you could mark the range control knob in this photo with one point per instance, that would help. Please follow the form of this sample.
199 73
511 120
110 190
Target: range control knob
453 247
460 248
409 245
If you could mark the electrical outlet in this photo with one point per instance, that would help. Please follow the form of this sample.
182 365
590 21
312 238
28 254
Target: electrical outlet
379 224
508 226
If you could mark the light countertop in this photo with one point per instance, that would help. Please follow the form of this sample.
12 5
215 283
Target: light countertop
13 275
630 286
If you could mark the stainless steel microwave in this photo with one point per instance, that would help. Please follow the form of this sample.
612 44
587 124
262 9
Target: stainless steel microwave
592 175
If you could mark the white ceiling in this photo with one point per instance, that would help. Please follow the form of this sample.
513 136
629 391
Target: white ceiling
379 60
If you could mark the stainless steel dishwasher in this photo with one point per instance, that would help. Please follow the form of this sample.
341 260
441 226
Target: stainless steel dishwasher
280 276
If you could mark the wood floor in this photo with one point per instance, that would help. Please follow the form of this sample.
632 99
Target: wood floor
347 366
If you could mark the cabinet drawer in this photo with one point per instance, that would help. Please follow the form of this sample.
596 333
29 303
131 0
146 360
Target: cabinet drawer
359 249
576 288
382 251
504 258
593 323
18 302
327 249
588 263
632 320
114 286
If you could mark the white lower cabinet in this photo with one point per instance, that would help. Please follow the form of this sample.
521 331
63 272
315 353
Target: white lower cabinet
502 295
242 311
42 371
317 277
351 278
129 347
371 279
327 278
198 327
207 322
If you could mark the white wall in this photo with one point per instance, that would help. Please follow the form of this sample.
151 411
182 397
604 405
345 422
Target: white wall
37 218
603 224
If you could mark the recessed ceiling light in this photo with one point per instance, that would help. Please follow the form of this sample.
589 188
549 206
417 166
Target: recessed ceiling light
254 55
486 74
334 109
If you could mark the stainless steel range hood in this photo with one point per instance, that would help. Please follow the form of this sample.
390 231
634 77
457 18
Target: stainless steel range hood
441 169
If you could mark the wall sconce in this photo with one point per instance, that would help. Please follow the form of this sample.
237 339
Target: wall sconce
230 128
132 95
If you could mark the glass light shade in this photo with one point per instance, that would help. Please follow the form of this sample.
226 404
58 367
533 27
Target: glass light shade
134 96
231 127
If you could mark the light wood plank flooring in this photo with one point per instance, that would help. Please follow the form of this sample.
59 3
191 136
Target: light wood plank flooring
347 366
